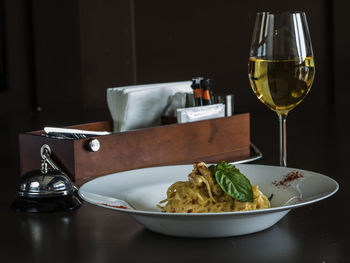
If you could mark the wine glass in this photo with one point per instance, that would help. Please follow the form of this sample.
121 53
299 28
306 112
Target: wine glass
281 65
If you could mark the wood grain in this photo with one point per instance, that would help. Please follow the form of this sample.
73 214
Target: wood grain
210 140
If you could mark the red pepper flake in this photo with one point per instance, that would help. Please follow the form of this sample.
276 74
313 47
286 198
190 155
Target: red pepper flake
287 179
115 206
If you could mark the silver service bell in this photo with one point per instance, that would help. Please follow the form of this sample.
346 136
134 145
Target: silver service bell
46 190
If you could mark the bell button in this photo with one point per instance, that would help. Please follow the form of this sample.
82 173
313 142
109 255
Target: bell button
93 145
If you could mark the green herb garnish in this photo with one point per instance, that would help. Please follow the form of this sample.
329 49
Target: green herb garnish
232 181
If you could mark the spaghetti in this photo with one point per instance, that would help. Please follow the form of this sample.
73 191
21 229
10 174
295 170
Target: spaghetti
202 194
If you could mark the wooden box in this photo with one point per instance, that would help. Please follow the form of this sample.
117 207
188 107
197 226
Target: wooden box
210 141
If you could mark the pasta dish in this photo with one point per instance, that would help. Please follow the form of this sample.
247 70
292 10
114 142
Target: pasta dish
202 193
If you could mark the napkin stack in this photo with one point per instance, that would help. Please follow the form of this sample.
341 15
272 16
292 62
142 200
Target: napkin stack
141 106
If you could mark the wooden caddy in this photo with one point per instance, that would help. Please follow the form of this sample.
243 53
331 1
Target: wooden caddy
211 141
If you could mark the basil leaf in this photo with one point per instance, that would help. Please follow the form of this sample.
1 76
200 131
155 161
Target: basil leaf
233 182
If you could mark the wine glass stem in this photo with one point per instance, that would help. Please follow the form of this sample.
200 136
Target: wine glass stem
283 139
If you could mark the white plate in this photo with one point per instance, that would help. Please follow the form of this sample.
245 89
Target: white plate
144 188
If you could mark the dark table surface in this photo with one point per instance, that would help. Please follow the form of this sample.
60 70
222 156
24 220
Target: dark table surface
318 140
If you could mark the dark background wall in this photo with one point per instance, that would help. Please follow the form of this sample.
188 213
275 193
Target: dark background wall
63 54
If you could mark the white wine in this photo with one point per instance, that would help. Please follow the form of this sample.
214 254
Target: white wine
281 84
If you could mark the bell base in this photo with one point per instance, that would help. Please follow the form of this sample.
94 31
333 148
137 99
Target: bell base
42 205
